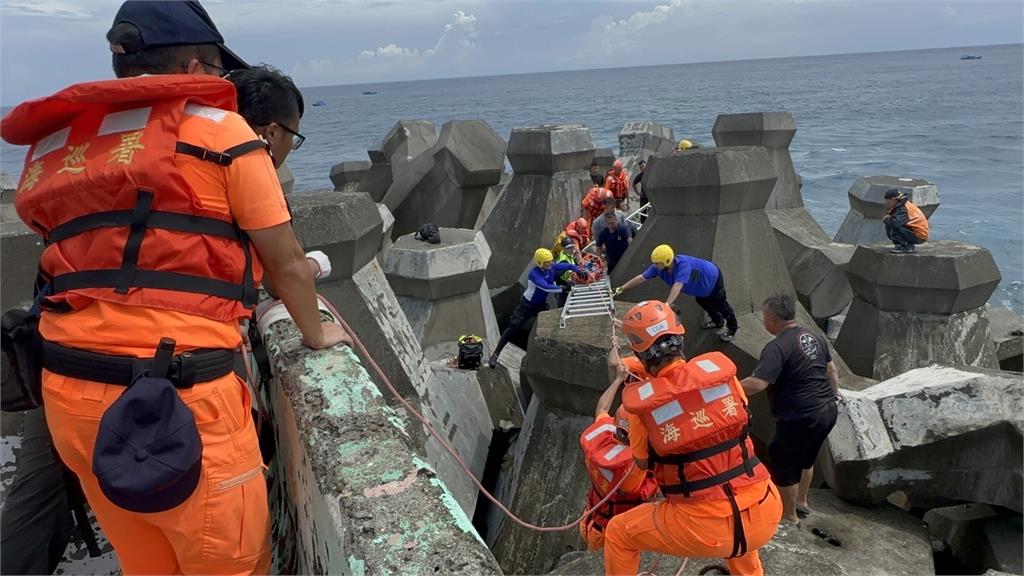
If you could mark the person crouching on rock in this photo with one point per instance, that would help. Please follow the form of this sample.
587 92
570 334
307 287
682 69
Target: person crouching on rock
609 459
689 424
540 283
566 253
905 224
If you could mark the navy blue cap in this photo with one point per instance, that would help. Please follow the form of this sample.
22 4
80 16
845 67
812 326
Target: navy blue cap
148 454
895 193
171 23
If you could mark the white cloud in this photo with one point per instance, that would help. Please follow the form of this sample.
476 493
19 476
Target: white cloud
453 52
49 8
640 20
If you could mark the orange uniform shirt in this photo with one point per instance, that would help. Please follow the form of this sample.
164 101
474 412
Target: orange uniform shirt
248 190
746 496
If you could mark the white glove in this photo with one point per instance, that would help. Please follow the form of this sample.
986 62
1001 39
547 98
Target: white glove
322 261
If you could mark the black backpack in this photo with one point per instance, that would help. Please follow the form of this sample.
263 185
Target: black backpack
471 352
429 233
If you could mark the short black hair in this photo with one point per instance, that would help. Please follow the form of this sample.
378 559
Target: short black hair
266 95
155 60
595 163
611 216
781 306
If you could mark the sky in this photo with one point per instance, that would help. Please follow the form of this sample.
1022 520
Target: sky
48 44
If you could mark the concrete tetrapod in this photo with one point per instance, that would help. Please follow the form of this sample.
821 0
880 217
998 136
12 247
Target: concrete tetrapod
1008 335
548 182
938 434
639 141
863 223
353 495
912 310
20 249
863 533
441 289
286 178
815 263
467 159
347 228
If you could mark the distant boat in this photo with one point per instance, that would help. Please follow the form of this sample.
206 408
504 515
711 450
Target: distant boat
368 92
970 57
319 103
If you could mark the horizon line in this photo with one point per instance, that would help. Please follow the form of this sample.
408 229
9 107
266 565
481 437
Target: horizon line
562 71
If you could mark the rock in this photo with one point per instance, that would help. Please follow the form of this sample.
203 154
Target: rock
407 139
441 289
1008 336
863 532
20 249
347 228
960 529
347 176
548 487
357 497
490 199
567 368
390 164
938 434
286 178
639 141
467 159
605 157
916 309
815 264
387 225
550 178
1002 545
863 223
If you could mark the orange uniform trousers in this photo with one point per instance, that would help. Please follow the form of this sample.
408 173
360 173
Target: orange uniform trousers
593 537
672 528
223 528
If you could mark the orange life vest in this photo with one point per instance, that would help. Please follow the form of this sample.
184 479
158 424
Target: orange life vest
608 462
618 184
593 202
917 223
102 186
698 429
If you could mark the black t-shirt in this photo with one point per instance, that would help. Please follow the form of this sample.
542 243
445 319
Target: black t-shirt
615 242
794 365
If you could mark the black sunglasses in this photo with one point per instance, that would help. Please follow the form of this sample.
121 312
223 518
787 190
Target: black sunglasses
297 139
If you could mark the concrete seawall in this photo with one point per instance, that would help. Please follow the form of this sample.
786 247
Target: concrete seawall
355 496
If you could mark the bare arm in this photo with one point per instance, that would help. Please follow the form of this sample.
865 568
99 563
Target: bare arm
833 378
674 293
634 281
752 385
292 277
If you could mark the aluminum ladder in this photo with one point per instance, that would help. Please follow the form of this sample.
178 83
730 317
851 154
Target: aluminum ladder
594 299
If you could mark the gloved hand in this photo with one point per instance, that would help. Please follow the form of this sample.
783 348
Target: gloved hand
322 262
584 274
617 291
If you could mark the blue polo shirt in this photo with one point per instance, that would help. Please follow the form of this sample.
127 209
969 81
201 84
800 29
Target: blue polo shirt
697 276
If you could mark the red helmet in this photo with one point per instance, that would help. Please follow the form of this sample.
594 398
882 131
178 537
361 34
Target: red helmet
645 323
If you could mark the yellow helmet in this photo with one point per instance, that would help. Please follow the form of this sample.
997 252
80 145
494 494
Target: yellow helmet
684 145
663 255
543 256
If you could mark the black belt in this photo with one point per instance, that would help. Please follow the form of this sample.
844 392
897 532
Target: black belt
186 369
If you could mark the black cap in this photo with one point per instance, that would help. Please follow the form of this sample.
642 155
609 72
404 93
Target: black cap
172 23
148 453
567 242
894 193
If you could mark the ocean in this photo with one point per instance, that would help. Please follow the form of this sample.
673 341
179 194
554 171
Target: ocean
923 113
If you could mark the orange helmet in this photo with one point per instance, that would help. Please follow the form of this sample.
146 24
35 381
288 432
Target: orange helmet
646 323
617 165
582 226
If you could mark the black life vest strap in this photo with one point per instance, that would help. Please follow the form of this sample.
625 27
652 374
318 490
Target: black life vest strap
688 487
739 535
703 453
129 276
157 219
224 158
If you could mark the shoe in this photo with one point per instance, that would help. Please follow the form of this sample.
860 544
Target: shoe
727 336
802 512
905 249
711 325
493 361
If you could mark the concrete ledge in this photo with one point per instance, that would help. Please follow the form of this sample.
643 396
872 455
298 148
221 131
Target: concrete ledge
362 499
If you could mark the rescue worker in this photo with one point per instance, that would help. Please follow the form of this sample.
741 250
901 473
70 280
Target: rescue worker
539 284
685 145
608 459
579 231
695 277
905 224
594 202
567 254
690 424
192 214
601 222
617 182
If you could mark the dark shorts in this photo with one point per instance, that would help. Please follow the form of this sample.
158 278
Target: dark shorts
797 442
524 312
